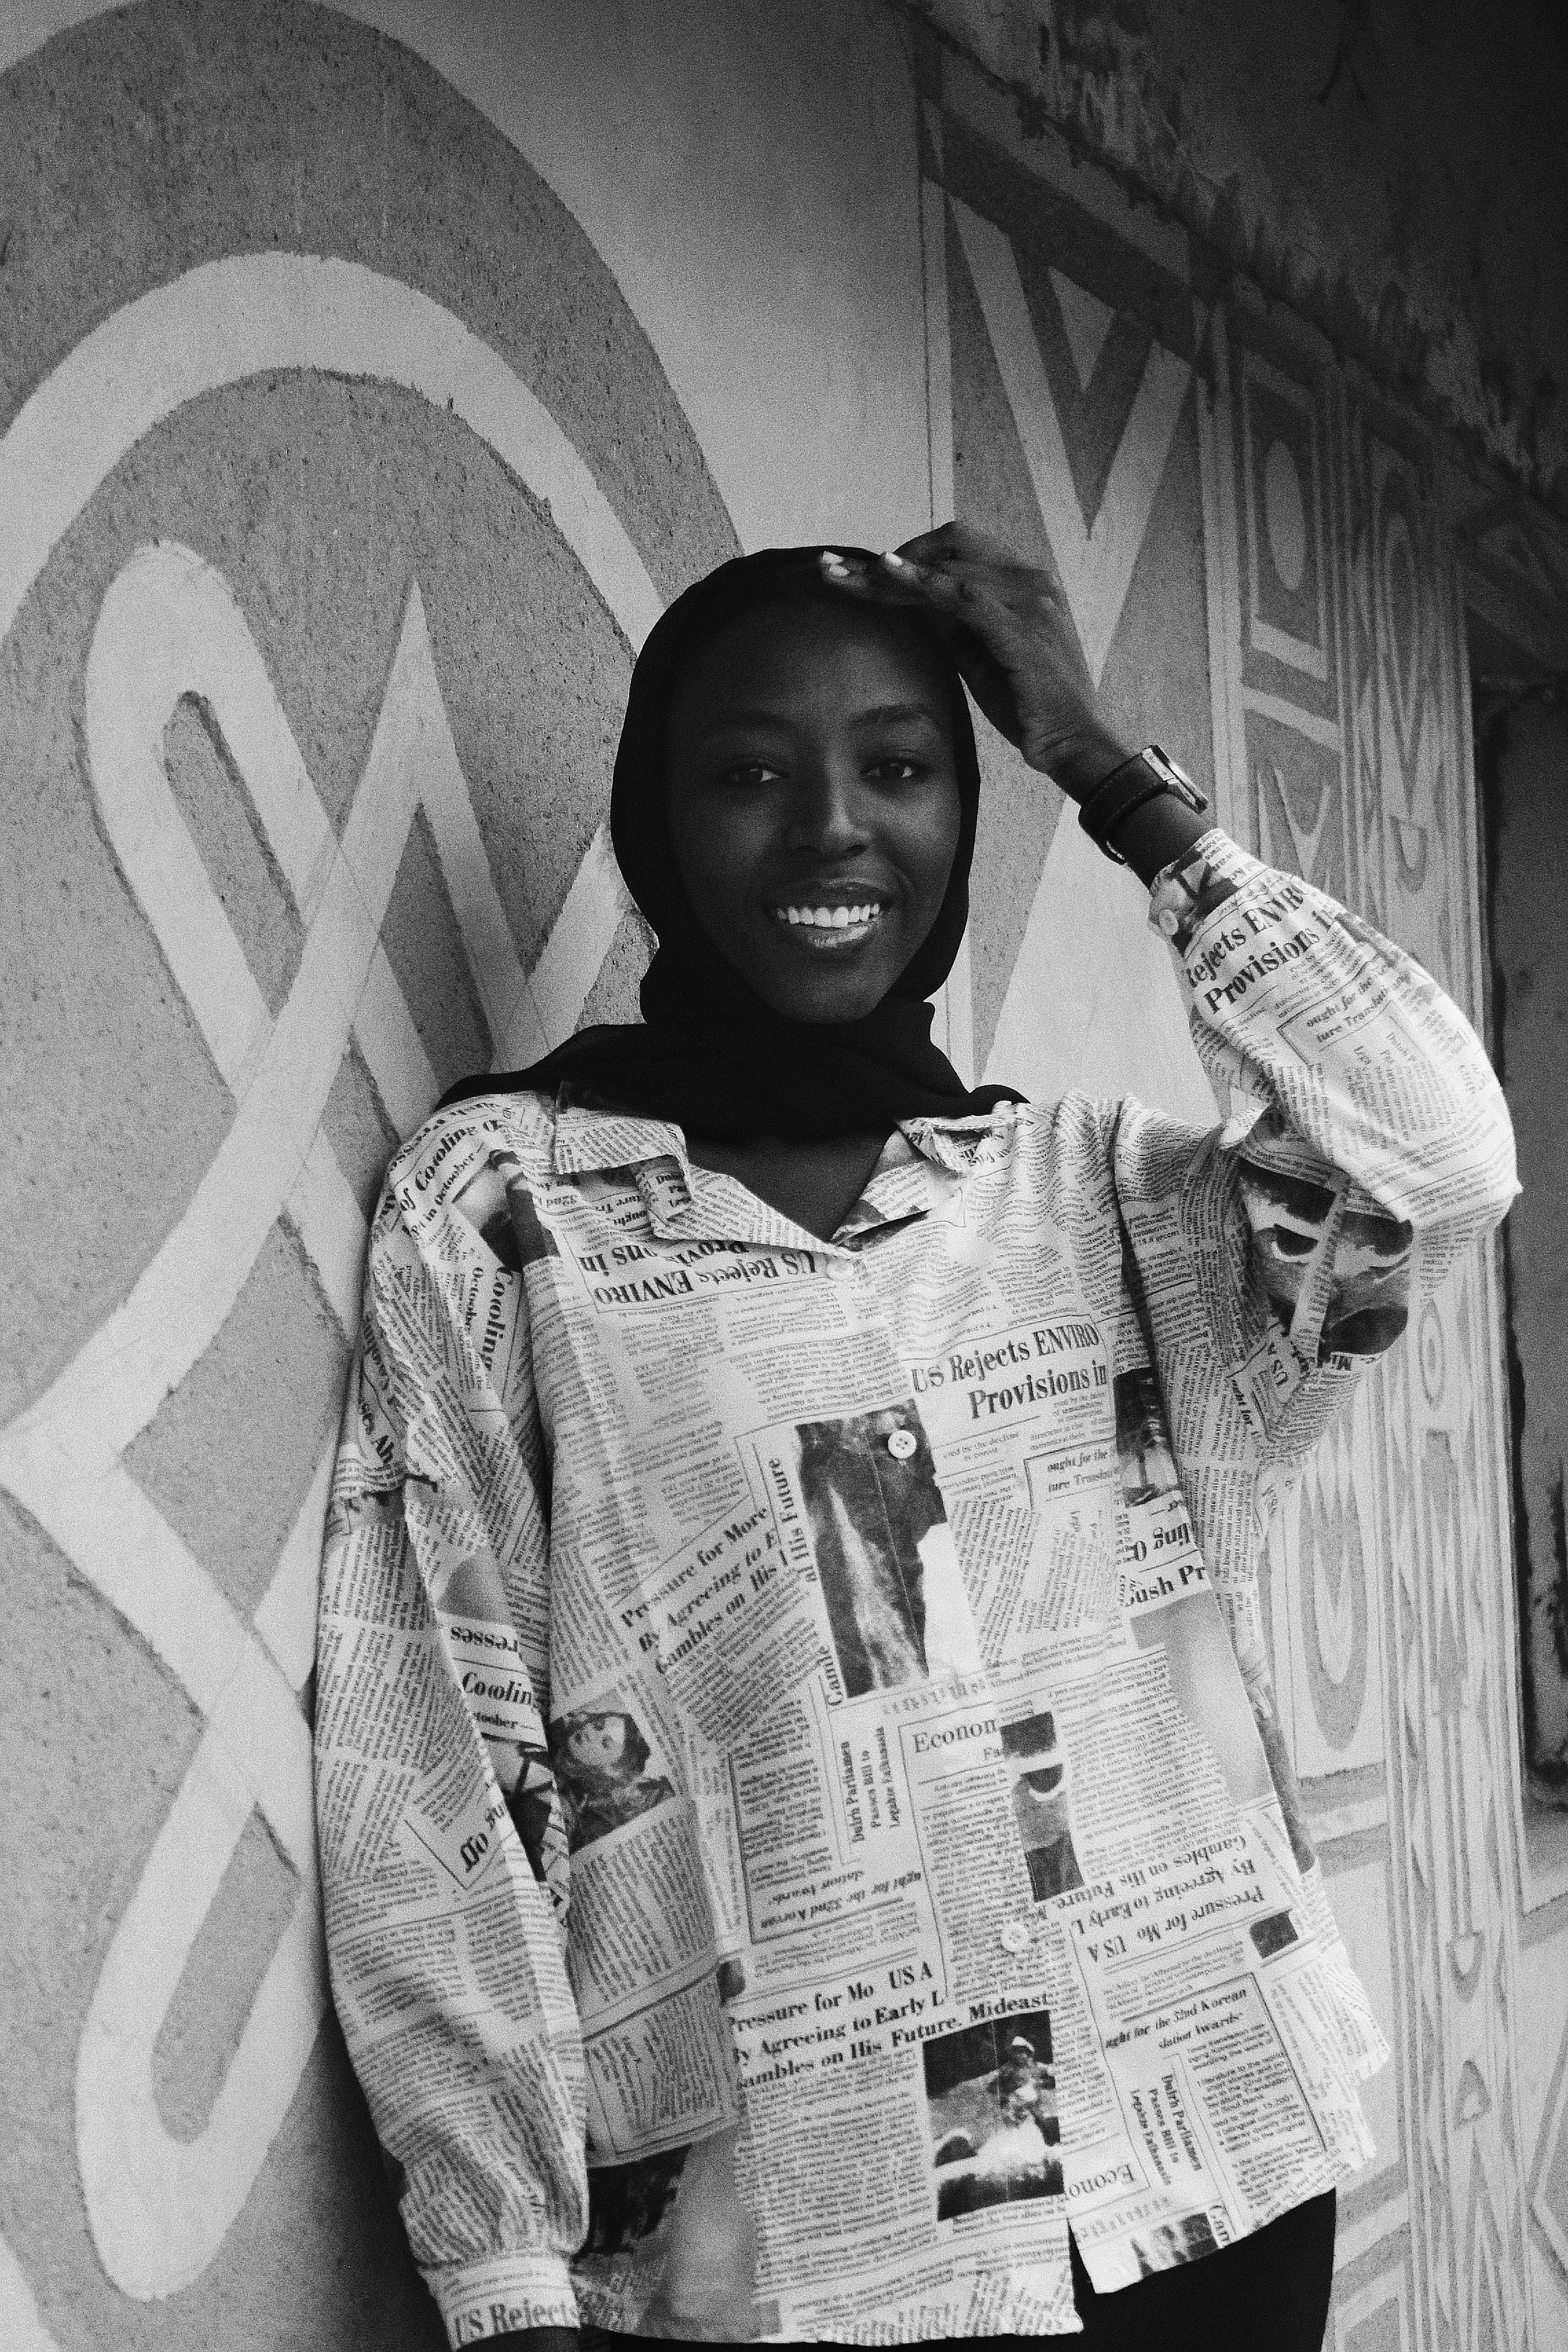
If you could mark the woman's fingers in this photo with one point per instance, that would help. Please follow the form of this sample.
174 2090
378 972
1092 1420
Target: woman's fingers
1007 622
942 591
892 579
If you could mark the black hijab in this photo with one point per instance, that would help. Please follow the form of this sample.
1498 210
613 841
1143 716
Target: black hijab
709 1053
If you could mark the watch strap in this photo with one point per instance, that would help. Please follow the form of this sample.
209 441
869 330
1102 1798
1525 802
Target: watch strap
1148 775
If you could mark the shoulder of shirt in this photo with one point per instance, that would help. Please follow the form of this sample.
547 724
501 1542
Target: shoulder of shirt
1070 1116
1098 1122
517 1117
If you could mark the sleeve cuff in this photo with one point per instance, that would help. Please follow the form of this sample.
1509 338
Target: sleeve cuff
478 2299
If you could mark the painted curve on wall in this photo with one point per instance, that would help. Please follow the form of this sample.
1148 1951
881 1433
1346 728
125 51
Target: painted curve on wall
159 2206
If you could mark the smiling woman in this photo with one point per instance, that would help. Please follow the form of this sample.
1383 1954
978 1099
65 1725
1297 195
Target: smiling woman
815 804
794 807
849 1464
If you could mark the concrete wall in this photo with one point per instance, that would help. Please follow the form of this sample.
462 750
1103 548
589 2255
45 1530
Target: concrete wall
369 375
1392 169
1527 772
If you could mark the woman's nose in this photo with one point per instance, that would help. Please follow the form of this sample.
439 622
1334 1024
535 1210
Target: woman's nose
829 813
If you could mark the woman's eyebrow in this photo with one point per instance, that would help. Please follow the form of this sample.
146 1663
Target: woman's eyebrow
741 716
879 714
898 714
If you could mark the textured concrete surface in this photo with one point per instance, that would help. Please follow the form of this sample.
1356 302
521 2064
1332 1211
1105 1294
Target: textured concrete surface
1529 882
139 147
1391 172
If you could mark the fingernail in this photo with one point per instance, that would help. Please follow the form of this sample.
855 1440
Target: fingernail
896 562
833 561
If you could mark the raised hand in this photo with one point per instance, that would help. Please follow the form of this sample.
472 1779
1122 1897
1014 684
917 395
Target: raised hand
1014 640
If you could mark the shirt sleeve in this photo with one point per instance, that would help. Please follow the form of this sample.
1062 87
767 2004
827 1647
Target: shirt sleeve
443 1857
1364 1146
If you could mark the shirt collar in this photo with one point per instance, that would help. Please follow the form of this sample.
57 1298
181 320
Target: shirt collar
594 1139
587 1141
962 1145
684 1200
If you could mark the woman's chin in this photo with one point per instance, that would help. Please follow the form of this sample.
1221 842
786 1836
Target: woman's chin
824 1008
822 991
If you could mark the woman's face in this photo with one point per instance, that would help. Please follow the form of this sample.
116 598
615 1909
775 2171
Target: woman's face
600 1746
813 801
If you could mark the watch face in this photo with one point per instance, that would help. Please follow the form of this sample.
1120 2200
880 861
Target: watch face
1173 776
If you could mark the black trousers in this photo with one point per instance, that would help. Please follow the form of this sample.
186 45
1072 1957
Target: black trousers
1270 2290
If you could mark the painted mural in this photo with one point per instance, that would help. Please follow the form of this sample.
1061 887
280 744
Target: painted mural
1178 456
339 484
331 518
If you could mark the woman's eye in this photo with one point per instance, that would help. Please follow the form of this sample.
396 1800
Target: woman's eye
749 773
895 769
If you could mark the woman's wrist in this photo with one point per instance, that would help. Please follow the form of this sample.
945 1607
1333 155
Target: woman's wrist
1156 834
1085 759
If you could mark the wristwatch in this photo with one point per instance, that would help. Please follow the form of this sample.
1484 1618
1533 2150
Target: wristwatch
1143 777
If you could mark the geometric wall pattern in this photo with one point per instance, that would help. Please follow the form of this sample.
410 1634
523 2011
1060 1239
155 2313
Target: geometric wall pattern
1327 633
334 502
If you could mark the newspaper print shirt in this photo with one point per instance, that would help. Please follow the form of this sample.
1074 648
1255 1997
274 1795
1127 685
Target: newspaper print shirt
802 1808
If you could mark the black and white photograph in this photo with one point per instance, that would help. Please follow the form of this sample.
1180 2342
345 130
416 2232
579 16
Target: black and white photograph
602 1761
1038 1771
869 1487
1367 1305
1190 1633
628 2204
991 2110
1189 894
784 948
1274 1934
1185 2238
1147 1465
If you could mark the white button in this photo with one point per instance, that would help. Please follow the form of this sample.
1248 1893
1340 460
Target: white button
1015 1935
901 1445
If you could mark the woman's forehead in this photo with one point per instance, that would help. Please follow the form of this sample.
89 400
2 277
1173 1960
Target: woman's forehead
778 658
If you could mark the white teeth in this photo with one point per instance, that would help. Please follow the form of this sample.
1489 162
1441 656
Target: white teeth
830 919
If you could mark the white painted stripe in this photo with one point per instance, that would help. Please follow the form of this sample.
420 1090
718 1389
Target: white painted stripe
953 1024
1092 1000
169 626
1317 728
136 673
939 352
1357 2238
1224 725
98 1514
465 866
1348 1819
21 2327
159 2205
579 941
120 1377
393 1048
286 1620
958 1008
331 1229
27 25
249 313
1095 563
1234 807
